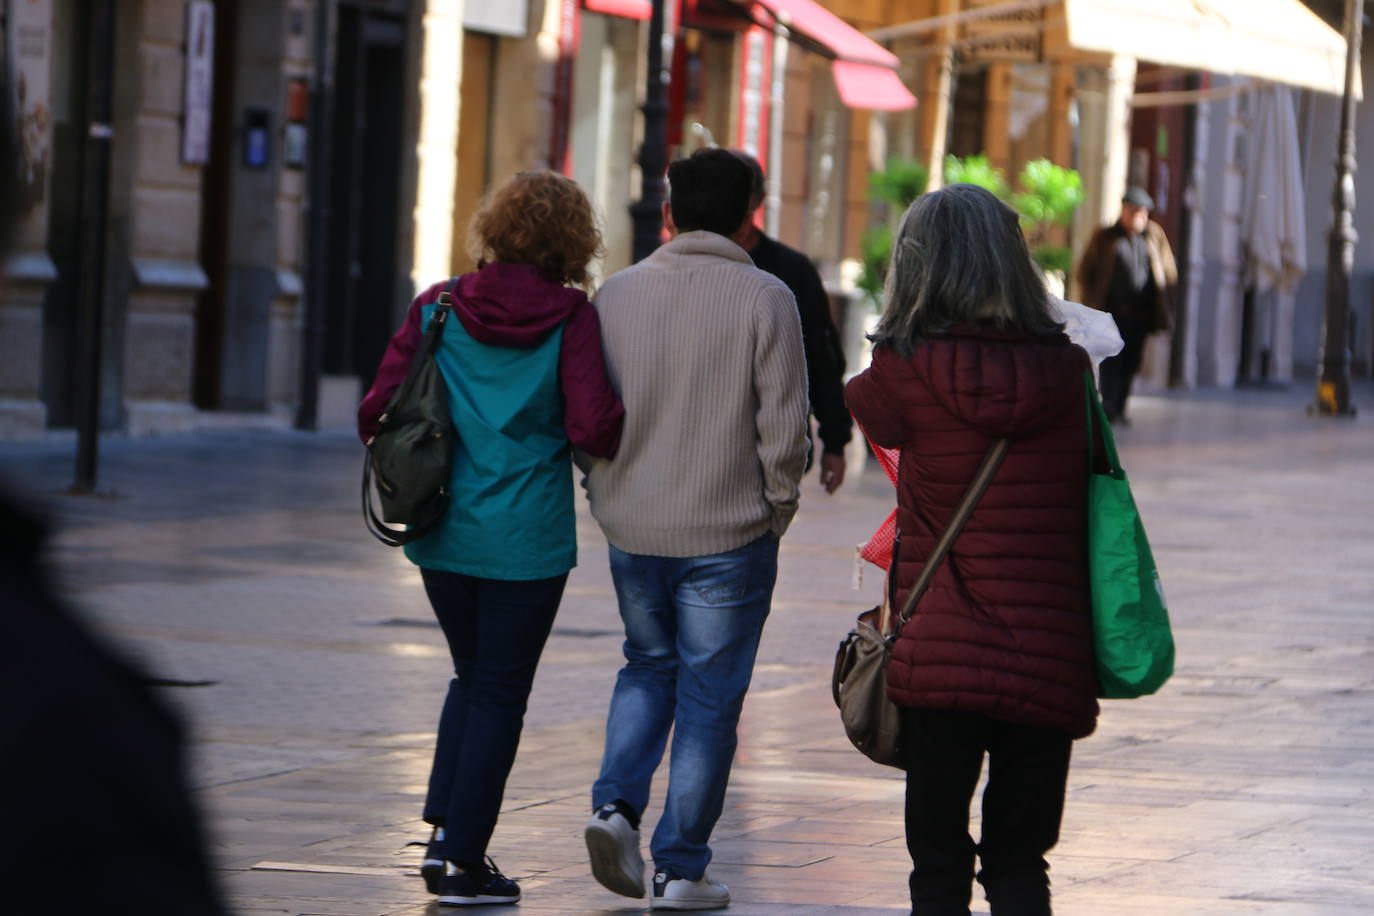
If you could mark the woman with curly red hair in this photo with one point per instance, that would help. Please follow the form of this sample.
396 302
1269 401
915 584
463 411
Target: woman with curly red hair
526 383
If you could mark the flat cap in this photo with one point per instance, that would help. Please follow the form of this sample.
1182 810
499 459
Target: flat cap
1139 197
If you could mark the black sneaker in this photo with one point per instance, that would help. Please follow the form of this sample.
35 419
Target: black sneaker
432 866
480 885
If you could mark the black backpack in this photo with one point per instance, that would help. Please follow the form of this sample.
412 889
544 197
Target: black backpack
411 456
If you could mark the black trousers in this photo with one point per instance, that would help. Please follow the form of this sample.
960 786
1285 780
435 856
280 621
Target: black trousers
1022 807
496 630
1118 372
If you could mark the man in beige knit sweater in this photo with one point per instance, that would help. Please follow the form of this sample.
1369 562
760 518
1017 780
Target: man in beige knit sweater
705 351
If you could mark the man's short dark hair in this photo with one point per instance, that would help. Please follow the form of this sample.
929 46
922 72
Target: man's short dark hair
710 190
755 170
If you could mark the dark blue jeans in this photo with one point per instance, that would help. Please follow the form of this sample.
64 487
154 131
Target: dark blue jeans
692 628
496 630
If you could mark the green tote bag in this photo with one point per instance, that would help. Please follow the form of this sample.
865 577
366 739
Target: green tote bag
1131 635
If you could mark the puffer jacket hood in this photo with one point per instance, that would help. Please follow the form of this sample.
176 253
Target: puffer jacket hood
1001 391
512 305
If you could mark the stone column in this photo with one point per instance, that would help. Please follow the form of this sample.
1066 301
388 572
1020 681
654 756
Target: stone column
436 149
1104 95
997 115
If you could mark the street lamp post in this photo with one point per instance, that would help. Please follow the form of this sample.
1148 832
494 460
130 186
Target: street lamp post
95 203
1333 386
653 154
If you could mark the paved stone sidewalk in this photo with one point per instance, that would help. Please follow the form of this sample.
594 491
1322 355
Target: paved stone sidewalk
236 561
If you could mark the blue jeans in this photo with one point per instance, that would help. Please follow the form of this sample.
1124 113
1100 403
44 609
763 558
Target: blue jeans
692 628
496 630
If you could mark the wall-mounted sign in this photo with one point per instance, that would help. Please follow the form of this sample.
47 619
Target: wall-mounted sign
200 76
498 17
293 146
257 138
1014 36
30 50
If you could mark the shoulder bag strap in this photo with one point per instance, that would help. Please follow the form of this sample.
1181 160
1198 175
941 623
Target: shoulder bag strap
972 495
439 318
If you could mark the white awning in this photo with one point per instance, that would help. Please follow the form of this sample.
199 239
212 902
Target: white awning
1281 41
1278 40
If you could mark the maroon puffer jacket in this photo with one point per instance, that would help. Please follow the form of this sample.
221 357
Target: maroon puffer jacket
1005 627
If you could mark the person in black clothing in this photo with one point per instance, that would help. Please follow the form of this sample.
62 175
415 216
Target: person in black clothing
1128 270
824 353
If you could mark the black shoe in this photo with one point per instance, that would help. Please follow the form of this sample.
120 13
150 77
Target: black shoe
478 885
432 866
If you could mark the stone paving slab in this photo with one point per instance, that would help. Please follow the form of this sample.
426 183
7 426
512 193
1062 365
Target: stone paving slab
234 560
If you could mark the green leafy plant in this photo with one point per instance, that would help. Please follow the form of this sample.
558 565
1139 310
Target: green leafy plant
979 171
1048 196
901 182
876 248
897 185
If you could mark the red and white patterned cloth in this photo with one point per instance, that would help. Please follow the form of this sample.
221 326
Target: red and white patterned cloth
878 549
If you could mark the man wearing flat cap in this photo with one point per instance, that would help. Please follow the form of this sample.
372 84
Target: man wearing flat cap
1128 270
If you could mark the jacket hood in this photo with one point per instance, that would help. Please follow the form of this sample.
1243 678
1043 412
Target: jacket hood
512 305
992 380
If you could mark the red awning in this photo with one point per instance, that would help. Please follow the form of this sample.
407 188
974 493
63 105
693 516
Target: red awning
630 9
870 86
865 72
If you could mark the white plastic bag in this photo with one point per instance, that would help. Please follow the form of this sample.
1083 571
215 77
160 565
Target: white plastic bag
1091 329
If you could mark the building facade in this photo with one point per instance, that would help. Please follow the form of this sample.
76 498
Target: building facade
284 174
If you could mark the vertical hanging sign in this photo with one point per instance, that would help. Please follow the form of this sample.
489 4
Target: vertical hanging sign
755 66
200 75
30 50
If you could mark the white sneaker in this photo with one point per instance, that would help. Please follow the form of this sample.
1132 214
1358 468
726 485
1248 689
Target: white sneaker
614 849
681 894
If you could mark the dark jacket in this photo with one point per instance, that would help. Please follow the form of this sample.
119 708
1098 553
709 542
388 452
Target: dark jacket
1005 627
92 762
820 340
1099 262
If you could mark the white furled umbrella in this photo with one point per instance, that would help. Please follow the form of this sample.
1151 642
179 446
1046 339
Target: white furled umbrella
1274 232
1272 225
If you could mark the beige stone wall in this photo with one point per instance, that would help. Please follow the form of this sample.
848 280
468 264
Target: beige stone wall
522 117
161 215
26 271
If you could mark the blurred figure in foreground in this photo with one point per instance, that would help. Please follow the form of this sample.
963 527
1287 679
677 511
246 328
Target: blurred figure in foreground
526 383
95 810
997 658
824 352
1128 270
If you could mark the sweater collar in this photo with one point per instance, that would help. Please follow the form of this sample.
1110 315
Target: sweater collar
701 243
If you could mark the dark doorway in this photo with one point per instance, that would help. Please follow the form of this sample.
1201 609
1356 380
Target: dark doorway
215 203
366 142
967 110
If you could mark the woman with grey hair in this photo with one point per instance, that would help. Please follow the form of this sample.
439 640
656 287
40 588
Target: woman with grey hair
997 658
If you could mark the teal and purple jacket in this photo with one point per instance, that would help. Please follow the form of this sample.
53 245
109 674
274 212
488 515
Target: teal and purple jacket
526 382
